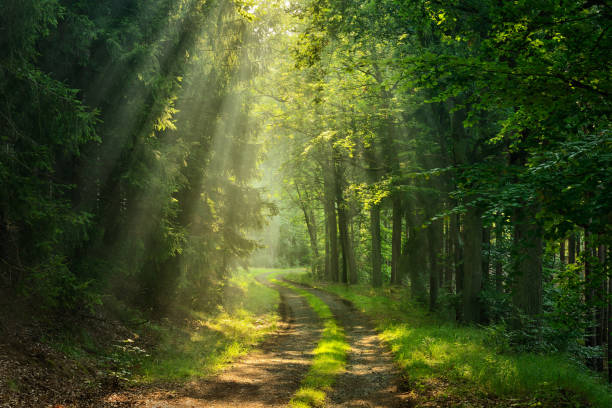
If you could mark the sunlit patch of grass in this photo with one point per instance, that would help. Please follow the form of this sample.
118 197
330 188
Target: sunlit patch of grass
429 349
329 356
209 343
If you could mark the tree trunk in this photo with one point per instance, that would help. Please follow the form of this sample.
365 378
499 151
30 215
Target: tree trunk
376 246
348 259
349 272
571 249
448 264
600 311
415 262
311 226
472 265
609 319
486 258
590 338
527 294
499 272
562 252
434 265
332 226
327 249
396 238
457 248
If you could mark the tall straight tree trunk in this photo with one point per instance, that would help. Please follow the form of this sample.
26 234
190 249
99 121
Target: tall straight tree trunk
571 248
396 238
601 299
527 294
415 262
609 319
472 265
327 274
594 295
349 269
562 252
311 226
499 272
376 245
590 338
332 226
457 249
433 238
486 258
448 263
486 265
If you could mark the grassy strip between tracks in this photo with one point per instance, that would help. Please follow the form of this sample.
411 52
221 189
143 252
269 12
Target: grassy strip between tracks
450 365
329 355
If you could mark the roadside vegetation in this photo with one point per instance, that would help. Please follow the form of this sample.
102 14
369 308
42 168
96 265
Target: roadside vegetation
124 349
443 362
206 343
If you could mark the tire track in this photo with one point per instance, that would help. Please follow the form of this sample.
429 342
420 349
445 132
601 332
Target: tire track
371 378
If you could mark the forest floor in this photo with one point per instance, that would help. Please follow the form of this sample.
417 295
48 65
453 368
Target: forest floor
394 355
266 377
271 375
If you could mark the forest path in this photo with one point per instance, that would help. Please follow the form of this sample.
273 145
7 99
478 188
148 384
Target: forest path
266 377
371 378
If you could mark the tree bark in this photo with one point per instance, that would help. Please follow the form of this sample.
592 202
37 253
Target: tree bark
349 272
600 307
527 293
457 248
434 242
609 319
499 272
311 226
376 246
415 262
396 238
332 226
571 249
486 258
448 264
472 265
562 252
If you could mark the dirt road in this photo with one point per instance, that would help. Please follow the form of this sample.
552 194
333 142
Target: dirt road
270 376
371 378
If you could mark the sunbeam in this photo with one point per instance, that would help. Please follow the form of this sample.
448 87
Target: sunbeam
305 203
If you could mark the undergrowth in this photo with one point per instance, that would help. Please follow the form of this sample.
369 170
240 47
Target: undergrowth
468 361
208 342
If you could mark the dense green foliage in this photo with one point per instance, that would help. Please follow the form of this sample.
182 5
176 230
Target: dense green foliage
462 149
127 150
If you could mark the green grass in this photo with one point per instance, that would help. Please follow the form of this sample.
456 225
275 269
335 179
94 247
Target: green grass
443 361
329 356
210 342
